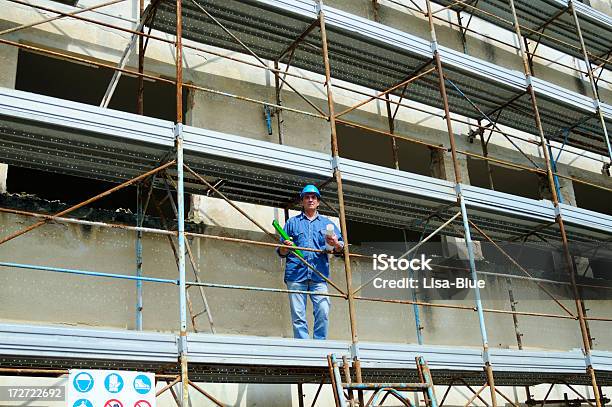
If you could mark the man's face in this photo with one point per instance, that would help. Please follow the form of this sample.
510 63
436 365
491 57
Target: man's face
310 201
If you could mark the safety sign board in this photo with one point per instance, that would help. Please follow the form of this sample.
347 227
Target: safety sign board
110 388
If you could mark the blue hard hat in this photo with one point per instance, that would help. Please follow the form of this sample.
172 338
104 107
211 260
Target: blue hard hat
310 189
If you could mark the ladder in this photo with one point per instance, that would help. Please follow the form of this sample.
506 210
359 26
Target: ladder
344 390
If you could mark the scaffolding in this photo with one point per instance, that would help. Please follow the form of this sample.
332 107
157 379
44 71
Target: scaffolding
363 53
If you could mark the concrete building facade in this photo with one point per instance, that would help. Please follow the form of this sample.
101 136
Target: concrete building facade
75 70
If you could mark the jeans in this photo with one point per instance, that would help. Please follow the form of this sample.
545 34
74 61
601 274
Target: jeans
320 305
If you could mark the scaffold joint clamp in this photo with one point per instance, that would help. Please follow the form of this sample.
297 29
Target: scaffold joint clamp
354 349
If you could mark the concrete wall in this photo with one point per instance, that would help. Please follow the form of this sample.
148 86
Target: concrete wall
47 297
50 298
8 62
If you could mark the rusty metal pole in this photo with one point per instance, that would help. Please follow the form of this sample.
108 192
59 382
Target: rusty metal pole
279 101
559 219
390 119
139 214
181 206
591 79
338 177
141 55
485 153
280 119
461 202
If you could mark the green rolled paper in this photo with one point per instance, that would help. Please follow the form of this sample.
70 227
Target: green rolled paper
285 236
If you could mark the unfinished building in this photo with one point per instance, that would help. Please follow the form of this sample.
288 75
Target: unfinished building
147 147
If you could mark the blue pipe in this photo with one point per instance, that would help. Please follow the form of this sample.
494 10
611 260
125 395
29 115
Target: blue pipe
429 381
470 249
338 379
389 390
180 197
553 164
268 115
415 307
87 273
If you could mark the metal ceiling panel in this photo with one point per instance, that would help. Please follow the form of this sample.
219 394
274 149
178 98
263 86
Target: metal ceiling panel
596 26
538 362
586 218
500 202
257 152
85 343
238 358
396 180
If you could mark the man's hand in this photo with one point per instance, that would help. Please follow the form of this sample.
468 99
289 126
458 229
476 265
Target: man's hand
333 241
283 250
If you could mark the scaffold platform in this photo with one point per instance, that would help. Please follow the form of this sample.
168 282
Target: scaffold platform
73 138
230 358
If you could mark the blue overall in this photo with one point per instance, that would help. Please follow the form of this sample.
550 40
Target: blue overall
308 233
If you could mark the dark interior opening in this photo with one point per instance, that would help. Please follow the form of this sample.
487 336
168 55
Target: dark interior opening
68 189
369 147
59 78
592 198
86 84
72 190
512 181
371 236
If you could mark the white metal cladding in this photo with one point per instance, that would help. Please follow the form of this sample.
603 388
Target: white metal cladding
590 13
563 95
502 202
606 109
376 31
601 360
477 66
401 181
537 361
258 152
586 218
402 356
41 341
305 8
86 343
403 40
106 130
82 117
252 350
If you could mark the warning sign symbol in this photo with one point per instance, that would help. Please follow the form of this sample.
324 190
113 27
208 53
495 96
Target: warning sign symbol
142 384
83 382
142 403
113 403
82 403
113 383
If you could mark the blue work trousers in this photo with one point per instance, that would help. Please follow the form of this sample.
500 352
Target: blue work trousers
320 305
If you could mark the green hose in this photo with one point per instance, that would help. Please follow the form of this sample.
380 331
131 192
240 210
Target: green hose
285 236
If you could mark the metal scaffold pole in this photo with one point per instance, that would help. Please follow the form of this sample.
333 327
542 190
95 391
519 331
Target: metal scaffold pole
139 223
461 202
181 205
338 178
141 56
559 219
139 203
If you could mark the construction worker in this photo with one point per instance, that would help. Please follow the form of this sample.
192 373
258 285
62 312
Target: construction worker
309 229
